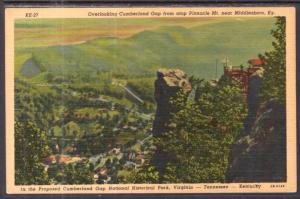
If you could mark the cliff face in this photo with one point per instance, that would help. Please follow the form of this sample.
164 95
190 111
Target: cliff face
260 155
253 100
167 84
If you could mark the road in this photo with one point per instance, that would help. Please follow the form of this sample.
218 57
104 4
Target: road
128 91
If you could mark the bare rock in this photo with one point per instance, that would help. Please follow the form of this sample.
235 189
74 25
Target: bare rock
261 155
253 99
168 83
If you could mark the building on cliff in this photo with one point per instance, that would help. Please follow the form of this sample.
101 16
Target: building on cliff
241 75
259 155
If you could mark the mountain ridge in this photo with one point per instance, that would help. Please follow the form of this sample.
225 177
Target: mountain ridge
192 49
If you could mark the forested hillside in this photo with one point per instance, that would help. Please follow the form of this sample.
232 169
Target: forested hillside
195 50
219 133
89 104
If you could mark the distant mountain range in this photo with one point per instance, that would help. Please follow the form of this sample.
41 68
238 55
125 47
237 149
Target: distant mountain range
196 50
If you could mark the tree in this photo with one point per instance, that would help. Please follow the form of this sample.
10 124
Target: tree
197 149
34 106
79 173
30 147
147 174
73 173
274 82
101 179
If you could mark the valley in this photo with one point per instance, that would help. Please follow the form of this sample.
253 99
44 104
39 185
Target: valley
90 84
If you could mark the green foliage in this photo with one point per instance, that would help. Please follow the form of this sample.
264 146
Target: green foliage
80 173
147 174
74 97
114 91
143 87
198 48
198 148
30 148
274 81
33 104
72 129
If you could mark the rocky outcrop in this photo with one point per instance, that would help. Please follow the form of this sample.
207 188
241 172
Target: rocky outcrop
261 155
167 84
258 156
253 99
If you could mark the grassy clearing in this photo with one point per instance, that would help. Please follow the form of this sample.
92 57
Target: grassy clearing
124 137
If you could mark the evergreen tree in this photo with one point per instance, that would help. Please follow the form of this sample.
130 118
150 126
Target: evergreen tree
147 174
81 174
274 81
75 173
197 149
30 147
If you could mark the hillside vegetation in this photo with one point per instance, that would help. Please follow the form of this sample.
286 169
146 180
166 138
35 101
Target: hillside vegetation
194 50
86 87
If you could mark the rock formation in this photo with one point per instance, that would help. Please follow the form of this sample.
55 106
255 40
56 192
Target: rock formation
167 84
261 155
258 156
253 99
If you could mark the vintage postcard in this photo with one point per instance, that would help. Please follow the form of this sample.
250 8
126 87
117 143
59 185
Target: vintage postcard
150 100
